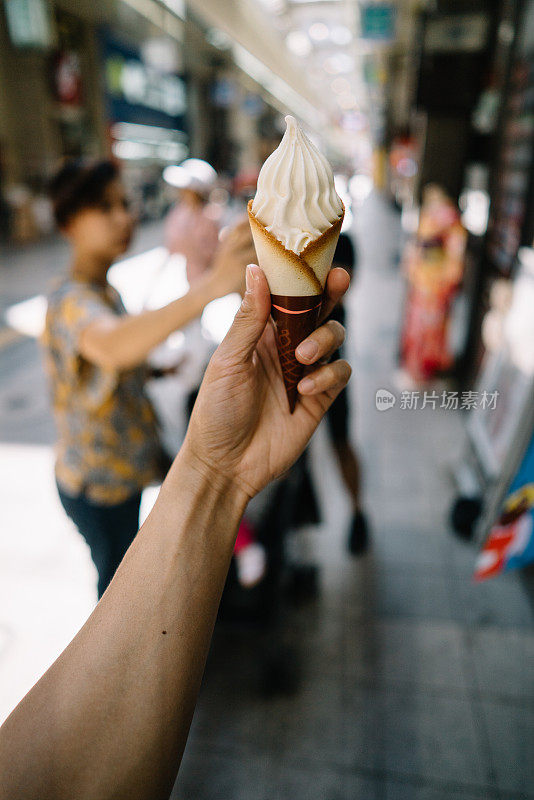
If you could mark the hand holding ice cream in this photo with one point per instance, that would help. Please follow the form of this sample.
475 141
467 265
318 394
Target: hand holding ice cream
295 218
240 429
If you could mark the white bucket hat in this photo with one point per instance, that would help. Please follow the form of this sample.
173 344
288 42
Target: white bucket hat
193 173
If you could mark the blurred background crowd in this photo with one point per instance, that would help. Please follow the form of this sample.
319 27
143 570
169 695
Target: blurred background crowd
375 636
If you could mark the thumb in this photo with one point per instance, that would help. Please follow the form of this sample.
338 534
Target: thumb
251 319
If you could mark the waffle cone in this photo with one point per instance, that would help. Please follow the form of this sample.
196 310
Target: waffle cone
297 284
289 273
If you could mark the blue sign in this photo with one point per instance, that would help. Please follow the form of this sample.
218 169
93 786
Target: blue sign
378 22
510 543
137 92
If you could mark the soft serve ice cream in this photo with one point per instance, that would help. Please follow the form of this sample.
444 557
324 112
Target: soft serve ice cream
296 199
295 218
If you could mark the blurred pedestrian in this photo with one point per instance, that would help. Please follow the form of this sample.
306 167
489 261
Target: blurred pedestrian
108 442
338 422
434 265
192 225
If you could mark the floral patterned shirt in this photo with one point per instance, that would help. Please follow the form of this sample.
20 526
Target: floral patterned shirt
108 445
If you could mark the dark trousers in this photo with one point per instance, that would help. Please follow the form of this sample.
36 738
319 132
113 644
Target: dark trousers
108 530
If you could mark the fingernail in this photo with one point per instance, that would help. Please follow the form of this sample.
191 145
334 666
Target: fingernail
254 271
307 349
249 278
306 385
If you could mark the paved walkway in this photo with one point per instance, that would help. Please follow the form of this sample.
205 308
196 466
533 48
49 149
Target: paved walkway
417 684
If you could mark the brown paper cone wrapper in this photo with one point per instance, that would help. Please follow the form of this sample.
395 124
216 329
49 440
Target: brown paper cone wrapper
294 318
297 284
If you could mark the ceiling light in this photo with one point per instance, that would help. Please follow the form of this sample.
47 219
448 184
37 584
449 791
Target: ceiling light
273 6
218 39
340 35
346 100
340 85
160 53
319 32
339 63
177 6
298 43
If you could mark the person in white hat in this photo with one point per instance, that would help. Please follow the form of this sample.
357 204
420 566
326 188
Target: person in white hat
192 228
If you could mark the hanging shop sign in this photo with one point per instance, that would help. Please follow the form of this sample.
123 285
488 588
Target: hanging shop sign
510 543
29 23
378 22
457 33
140 93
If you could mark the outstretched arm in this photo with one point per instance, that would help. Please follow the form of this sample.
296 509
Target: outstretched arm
121 342
111 716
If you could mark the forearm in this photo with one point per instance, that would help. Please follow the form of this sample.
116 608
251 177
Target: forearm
120 698
124 342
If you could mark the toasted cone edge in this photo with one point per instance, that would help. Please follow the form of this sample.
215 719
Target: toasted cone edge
299 260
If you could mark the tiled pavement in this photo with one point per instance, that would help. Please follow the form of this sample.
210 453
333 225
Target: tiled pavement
416 684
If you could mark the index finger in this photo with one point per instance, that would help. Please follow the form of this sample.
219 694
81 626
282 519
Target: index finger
337 283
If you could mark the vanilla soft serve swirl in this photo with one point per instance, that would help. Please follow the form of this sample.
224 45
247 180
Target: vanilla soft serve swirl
296 200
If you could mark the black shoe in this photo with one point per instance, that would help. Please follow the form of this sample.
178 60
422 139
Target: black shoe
358 540
303 583
464 515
